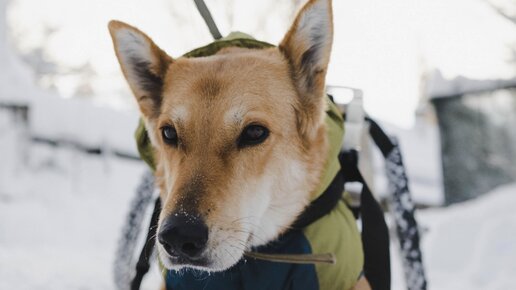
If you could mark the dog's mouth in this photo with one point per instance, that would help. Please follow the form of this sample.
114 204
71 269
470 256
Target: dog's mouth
210 260
182 261
185 241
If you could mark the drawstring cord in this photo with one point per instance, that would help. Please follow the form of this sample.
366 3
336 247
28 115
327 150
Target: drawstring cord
326 258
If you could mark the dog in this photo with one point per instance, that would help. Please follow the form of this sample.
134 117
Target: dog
239 140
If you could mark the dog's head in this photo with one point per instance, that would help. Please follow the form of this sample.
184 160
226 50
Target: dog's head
239 137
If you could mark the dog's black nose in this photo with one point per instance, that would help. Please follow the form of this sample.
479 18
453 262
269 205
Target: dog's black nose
183 235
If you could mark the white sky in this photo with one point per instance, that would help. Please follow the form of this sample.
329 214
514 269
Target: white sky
381 46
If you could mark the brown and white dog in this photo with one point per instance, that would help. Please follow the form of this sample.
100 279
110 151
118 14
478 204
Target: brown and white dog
239 137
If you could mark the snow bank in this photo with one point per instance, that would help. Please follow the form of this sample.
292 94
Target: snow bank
16 80
60 218
471 245
83 122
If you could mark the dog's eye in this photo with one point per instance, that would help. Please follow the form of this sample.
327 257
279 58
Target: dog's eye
253 135
169 134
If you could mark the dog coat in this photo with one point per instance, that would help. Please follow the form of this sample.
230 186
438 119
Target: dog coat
336 232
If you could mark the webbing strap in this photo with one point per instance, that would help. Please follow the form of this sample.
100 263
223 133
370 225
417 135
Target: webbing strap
382 141
322 205
375 233
375 240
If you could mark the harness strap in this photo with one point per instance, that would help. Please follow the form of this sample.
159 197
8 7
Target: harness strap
375 233
382 141
321 205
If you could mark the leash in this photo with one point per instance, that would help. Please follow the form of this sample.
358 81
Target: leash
206 15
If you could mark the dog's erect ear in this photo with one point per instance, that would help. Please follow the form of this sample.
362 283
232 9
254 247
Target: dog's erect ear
143 63
307 47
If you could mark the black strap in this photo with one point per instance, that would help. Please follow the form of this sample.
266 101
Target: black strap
143 265
322 205
382 141
375 240
375 233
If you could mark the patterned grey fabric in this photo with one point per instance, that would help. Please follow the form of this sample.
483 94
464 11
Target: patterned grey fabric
403 209
128 243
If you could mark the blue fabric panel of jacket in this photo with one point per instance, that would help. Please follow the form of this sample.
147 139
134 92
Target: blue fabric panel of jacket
253 274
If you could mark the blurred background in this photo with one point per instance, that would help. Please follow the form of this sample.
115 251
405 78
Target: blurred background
440 75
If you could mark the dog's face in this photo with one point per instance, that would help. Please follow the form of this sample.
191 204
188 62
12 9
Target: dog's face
239 137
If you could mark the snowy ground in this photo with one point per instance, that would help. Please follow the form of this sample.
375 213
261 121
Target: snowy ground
61 212
60 215
470 245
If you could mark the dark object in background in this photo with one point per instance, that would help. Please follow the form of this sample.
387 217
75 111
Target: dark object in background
478 141
130 239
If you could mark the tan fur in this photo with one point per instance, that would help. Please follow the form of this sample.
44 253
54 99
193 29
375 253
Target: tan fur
247 196
309 86
160 62
258 82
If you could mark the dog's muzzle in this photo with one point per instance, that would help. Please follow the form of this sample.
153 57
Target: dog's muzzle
184 237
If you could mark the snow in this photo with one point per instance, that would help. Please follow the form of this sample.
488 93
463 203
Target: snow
60 216
88 124
16 80
471 245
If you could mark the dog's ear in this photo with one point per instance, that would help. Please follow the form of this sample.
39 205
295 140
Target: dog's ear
307 47
143 63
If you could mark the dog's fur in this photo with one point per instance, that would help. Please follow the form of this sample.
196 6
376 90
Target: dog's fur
247 196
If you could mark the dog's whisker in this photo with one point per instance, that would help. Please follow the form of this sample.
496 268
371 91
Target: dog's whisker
238 248
229 253
241 242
